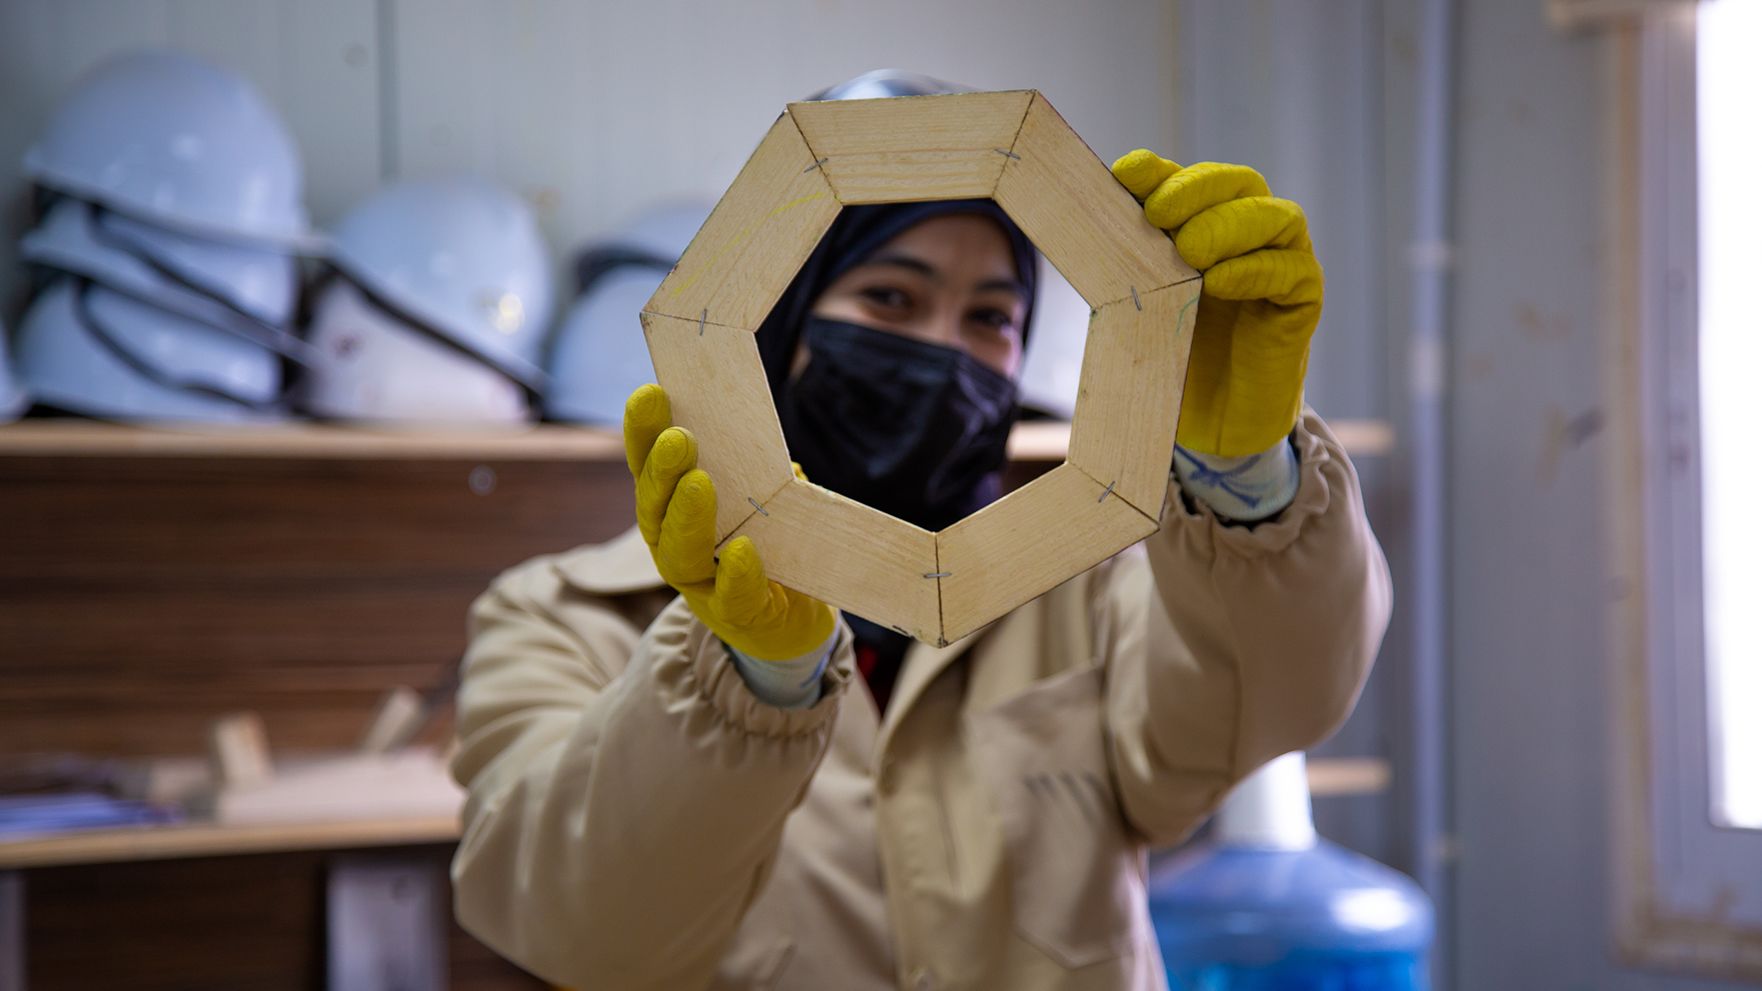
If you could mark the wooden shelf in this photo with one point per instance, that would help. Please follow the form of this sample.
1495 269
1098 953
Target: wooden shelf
1328 778
87 438
100 846
1034 441
1334 777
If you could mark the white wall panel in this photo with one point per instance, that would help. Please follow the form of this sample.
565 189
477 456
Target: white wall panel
1295 90
596 110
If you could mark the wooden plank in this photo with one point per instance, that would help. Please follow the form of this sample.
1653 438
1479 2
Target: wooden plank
718 390
238 749
851 556
1334 777
1019 547
1088 225
913 148
1134 367
1030 440
756 238
102 846
67 437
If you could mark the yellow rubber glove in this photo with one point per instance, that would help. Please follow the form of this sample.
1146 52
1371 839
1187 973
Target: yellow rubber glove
676 512
1261 300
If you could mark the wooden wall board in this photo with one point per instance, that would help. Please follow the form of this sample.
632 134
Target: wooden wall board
755 239
913 148
145 597
718 390
1134 366
878 571
1050 531
1071 207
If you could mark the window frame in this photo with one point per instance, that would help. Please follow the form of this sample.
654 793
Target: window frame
1689 891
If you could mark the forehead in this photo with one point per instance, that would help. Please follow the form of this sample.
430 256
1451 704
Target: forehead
958 242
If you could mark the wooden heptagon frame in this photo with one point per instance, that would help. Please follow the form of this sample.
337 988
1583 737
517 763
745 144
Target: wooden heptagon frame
1015 149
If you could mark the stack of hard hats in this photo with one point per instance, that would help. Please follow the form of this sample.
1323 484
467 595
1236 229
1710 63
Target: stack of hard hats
599 356
170 236
436 309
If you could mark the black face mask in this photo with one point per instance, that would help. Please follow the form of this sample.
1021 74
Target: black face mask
913 429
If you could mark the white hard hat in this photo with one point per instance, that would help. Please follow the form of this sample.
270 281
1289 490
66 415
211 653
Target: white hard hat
371 366
598 356
124 255
176 141
13 398
879 84
84 349
462 256
263 282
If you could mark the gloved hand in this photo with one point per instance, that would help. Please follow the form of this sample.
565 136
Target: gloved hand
676 512
1261 300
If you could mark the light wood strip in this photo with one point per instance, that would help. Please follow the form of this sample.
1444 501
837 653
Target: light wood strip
1032 441
913 148
718 390
208 840
851 556
756 238
1085 222
1338 777
1129 395
1055 528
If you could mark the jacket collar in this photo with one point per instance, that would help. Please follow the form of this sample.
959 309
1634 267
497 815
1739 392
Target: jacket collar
619 566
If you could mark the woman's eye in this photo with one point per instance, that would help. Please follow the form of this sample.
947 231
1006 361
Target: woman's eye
887 296
993 319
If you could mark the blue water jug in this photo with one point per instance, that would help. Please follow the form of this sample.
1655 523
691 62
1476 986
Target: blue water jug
1265 905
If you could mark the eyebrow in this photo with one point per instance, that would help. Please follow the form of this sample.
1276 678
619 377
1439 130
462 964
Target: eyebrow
924 268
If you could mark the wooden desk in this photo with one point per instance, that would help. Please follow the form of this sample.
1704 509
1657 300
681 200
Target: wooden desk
384 909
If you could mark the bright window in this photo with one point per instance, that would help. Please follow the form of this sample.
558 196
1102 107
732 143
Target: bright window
1728 62
1688 494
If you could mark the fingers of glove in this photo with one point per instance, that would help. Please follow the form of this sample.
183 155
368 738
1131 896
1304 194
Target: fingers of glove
795 466
1237 227
673 454
646 413
1196 188
686 551
1142 170
743 593
1283 277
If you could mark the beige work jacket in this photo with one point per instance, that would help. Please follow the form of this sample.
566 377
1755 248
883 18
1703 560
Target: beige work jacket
639 820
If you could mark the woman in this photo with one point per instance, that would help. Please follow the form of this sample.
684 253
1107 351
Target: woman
735 787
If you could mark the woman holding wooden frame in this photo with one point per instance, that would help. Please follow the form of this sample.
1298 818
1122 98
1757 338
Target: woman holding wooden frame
686 774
